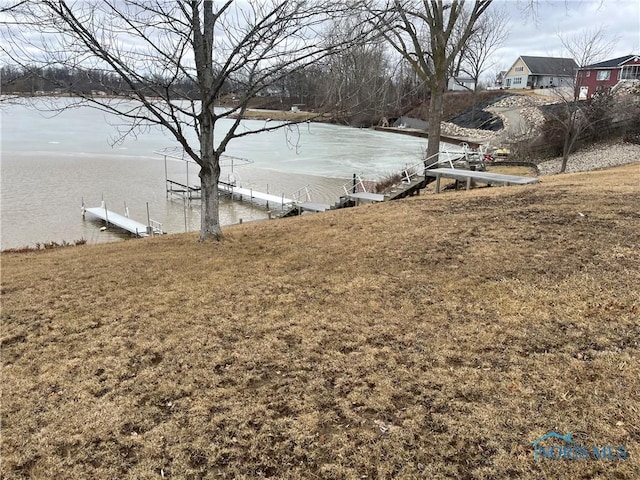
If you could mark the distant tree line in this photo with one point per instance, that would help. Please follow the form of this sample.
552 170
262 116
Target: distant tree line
35 80
357 88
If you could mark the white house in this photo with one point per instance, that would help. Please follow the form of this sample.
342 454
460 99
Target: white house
540 72
457 84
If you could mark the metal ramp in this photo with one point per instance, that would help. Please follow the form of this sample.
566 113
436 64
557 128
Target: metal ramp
313 207
366 196
356 190
481 177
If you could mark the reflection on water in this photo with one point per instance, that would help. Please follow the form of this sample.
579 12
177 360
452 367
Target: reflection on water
50 165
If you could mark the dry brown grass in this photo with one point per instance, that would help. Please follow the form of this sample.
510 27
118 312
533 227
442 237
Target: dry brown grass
434 337
513 170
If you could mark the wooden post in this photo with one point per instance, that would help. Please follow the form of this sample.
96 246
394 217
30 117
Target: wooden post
468 183
437 183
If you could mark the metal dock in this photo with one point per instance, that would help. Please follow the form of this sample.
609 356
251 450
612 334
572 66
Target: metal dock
125 223
250 194
481 177
366 196
189 191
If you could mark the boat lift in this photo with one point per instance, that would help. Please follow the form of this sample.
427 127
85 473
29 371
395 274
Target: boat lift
230 187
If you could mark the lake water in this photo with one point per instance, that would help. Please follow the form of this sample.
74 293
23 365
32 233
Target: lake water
50 164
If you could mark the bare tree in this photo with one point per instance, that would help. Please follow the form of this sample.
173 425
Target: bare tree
173 60
570 118
429 34
490 33
356 80
587 47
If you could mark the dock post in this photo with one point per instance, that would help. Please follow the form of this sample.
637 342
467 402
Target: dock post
188 189
437 183
166 178
185 214
468 183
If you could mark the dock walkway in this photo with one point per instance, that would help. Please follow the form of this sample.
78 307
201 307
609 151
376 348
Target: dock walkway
125 223
251 194
489 178
366 196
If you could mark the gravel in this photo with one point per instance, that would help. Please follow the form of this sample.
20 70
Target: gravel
594 158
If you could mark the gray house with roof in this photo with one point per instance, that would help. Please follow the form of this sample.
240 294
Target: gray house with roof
540 72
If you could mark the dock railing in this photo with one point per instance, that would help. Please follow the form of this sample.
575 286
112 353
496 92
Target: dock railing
443 157
301 195
156 226
410 172
355 185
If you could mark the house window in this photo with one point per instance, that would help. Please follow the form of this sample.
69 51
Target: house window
519 69
603 75
630 72
517 80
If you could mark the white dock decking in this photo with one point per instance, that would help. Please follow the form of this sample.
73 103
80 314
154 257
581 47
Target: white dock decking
481 177
251 194
313 207
366 196
120 221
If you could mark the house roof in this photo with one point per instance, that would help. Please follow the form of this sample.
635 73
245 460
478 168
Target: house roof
567 438
614 62
550 66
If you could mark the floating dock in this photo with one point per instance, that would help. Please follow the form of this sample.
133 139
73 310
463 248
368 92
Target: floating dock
125 223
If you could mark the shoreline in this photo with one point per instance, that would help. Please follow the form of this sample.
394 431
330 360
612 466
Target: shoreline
473 143
303 116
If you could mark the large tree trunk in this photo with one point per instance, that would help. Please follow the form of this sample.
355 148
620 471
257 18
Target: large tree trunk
210 210
475 101
435 114
209 175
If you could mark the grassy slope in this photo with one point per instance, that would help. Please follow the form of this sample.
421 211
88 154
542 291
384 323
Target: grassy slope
434 337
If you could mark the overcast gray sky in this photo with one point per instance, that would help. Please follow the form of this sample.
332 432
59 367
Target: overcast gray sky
538 36
537 33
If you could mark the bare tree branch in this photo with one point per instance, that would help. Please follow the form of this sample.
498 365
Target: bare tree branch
171 62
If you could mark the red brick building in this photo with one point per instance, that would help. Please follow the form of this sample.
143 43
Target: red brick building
605 75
